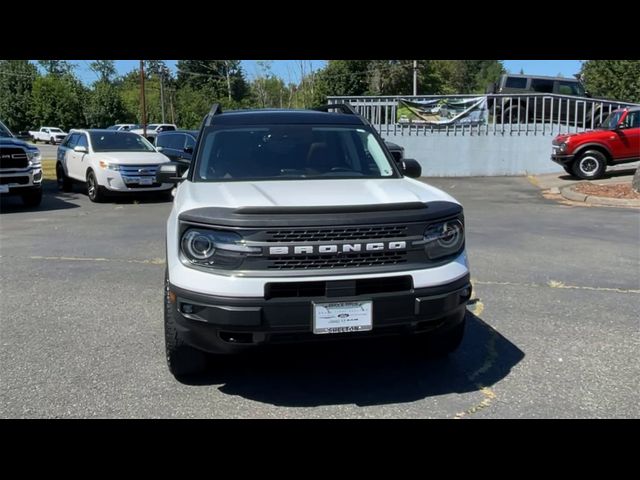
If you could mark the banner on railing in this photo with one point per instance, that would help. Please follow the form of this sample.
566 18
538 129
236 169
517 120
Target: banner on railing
444 111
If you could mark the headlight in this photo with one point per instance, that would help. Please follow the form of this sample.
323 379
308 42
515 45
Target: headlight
444 238
109 166
34 157
563 147
215 249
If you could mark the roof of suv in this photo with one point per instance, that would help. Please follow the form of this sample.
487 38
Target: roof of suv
521 75
284 117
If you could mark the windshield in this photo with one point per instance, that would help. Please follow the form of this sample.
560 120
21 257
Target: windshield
152 126
611 121
290 152
119 141
4 131
55 130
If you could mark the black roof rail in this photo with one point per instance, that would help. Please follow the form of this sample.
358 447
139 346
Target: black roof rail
216 109
343 107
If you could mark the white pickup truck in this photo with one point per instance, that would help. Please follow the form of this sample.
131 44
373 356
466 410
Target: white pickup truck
52 135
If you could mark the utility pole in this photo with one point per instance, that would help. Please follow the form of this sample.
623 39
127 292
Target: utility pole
415 77
142 104
161 72
226 64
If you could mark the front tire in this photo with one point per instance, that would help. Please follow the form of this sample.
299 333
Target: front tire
94 189
590 165
33 198
52 141
64 183
34 140
183 360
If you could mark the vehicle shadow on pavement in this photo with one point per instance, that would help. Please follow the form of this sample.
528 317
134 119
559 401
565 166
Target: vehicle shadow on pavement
52 199
622 172
376 372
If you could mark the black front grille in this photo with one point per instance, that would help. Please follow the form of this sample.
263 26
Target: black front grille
11 157
336 233
342 260
363 286
18 180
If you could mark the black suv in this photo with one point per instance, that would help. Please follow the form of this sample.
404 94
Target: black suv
514 110
177 145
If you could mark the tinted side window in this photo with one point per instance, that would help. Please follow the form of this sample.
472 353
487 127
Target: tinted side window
82 141
516 82
72 140
541 85
633 120
174 141
568 88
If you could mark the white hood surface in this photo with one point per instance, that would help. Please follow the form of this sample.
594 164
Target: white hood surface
306 193
132 158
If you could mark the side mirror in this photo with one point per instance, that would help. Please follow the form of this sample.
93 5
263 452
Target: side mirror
159 149
188 149
169 173
410 168
80 149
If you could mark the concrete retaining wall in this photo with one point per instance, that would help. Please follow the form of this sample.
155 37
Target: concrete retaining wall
444 155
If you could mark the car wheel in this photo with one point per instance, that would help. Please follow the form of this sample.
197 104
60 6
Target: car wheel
183 360
512 115
64 183
440 343
33 198
590 165
52 141
34 140
94 189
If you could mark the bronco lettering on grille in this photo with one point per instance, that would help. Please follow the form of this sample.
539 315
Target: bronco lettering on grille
340 248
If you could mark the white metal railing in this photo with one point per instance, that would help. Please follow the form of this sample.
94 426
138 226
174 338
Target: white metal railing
508 114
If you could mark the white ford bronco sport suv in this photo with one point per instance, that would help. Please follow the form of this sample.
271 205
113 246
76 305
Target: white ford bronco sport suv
298 225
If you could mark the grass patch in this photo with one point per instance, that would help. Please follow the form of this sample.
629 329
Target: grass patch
49 168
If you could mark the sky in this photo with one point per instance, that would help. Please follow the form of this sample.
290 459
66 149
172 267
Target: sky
290 69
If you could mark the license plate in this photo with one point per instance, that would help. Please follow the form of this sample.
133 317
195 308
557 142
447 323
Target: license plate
146 181
4 188
342 317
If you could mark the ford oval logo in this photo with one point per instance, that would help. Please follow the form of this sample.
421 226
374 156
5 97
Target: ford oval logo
343 315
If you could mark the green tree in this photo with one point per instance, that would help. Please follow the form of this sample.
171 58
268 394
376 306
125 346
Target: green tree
613 79
16 82
473 76
220 79
57 101
57 68
105 106
105 69
343 77
267 90
192 104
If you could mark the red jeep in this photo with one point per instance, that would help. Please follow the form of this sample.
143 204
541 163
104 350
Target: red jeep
587 154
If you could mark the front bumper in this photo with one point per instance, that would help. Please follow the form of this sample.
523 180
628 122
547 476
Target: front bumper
562 159
231 324
117 182
17 182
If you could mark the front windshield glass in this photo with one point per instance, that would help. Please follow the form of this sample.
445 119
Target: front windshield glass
289 152
119 141
611 121
55 130
4 131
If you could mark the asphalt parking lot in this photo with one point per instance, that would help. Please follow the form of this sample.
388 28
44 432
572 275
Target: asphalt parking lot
555 332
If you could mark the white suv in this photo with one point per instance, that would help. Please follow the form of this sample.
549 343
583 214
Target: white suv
298 225
109 161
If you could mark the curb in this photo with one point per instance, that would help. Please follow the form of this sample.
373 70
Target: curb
568 193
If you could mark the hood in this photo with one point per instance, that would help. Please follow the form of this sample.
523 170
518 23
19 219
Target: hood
14 142
589 134
132 158
306 193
